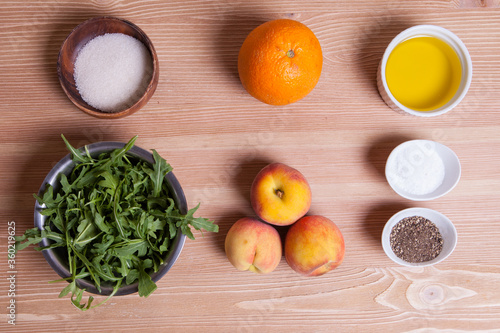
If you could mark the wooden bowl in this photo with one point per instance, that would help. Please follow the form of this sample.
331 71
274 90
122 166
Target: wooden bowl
80 36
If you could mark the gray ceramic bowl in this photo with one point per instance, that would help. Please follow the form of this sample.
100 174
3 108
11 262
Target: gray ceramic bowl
55 257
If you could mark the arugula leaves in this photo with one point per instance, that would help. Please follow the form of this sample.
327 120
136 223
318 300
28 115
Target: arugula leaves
115 219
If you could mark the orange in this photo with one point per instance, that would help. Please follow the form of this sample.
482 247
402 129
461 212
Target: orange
280 62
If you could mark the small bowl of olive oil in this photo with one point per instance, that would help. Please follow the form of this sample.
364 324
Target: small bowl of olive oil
425 71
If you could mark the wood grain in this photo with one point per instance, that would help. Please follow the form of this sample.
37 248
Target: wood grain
217 138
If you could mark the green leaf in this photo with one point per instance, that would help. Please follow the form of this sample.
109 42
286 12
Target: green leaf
77 301
58 239
109 180
48 197
100 223
200 223
184 221
66 187
101 248
132 276
154 226
146 285
157 175
126 264
131 247
75 153
165 245
104 270
86 236
119 153
31 236
71 287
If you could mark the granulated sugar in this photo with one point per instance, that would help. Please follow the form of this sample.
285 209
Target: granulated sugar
112 71
417 169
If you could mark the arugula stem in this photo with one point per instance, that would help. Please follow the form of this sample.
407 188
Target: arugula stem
115 289
85 262
71 264
115 215
76 277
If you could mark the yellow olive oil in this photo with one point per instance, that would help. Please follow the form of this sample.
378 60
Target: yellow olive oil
423 73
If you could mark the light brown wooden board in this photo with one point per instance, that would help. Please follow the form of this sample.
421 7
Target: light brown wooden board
217 138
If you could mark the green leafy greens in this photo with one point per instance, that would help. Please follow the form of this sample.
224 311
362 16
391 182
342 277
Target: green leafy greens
115 219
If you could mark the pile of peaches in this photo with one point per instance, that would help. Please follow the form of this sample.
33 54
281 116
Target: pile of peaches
281 196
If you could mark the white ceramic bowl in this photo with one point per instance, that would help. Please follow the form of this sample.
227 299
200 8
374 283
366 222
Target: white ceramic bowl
431 31
452 168
444 224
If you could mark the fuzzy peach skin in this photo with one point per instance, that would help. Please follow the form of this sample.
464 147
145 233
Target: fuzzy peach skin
314 246
253 245
280 194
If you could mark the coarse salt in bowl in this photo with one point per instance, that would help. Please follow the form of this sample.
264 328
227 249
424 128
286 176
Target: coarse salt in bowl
443 223
422 170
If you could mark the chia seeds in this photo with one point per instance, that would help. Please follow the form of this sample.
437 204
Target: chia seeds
416 239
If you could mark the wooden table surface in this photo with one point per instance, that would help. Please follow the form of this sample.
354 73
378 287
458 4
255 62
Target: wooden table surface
217 137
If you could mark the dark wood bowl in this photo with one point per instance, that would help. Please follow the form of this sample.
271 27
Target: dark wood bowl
82 34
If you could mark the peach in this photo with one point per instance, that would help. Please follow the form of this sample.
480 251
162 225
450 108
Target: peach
314 246
280 194
253 245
